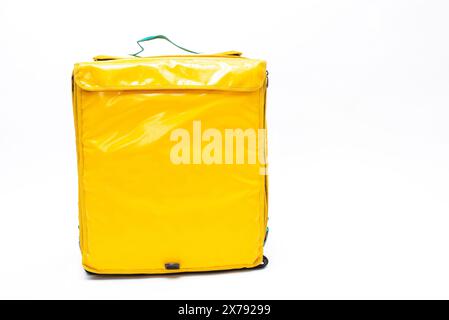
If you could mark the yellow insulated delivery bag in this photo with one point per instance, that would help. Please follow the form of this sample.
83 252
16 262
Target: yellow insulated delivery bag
171 162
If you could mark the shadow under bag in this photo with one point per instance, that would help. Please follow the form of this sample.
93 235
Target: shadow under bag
171 162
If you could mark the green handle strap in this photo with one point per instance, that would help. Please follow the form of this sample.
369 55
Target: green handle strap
159 37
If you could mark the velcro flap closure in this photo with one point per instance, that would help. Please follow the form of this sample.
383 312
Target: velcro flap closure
172 73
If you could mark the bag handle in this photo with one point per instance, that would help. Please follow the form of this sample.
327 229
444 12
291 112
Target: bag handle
159 37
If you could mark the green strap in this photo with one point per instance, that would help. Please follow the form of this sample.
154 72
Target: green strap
159 37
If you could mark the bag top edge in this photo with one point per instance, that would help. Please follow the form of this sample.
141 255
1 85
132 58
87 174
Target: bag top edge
161 73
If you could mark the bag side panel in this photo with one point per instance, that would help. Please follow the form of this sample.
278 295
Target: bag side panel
77 114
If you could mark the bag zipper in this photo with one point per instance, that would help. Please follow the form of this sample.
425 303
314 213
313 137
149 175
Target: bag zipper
226 54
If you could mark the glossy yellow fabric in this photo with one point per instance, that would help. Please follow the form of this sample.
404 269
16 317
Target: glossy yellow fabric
138 210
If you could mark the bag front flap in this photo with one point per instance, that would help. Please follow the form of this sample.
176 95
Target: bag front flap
171 73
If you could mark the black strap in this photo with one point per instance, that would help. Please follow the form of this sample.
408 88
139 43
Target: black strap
263 264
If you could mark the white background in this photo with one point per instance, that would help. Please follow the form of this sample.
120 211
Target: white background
358 111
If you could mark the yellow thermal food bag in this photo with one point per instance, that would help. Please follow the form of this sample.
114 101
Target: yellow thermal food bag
171 162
